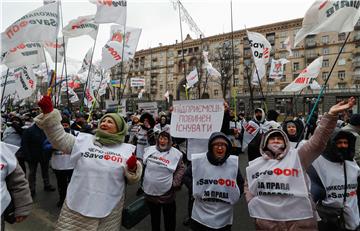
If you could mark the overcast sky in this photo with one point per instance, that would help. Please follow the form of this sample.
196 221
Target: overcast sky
160 22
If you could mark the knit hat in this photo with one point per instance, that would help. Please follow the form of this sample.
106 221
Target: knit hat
355 119
106 138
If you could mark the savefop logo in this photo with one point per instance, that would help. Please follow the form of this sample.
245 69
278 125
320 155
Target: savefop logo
278 172
221 182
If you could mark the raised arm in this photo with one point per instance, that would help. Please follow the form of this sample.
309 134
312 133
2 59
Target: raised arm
317 143
50 122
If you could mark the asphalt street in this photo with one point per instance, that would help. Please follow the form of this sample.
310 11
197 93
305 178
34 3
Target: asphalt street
45 212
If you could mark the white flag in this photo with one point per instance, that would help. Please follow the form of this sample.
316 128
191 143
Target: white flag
260 48
329 16
289 44
49 1
83 25
277 68
166 95
131 39
56 49
208 66
24 54
251 129
110 11
306 77
39 25
192 78
21 81
140 95
86 62
111 54
315 85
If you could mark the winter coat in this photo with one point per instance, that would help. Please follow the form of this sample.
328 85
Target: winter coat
355 130
307 154
32 143
11 136
60 140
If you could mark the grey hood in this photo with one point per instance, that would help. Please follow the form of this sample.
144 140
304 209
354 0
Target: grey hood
265 152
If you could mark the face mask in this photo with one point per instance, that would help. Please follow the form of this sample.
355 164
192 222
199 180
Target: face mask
343 152
258 118
276 148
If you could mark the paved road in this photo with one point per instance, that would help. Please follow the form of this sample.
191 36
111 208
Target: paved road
45 213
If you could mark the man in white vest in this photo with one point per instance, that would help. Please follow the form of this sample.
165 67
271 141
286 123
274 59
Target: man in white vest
216 183
335 174
277 189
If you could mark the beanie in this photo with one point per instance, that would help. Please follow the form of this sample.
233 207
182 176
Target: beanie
355 119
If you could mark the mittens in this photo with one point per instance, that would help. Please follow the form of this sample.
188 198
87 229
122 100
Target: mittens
131 163
45 104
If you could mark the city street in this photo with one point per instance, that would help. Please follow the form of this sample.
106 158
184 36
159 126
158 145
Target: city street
45 212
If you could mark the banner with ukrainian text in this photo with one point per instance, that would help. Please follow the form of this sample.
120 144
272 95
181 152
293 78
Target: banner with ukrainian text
132 36
39 25
196 118
137 82
83 25
329 16
110 11
24 54
306 77
111 54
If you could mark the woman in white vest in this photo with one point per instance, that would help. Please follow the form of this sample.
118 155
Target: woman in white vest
103 165
216 183
163 172
277 190
146 135
335 174
14 186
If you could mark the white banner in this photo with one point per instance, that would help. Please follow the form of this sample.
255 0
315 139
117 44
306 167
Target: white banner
111 54
132 36
114 104
74 97
21 81
137 82
277 68
110 11
86 62
56 47
192 78
24 54
306 77
315 85
83 25
329 16
196 118
250 130
39 25
260 48
151 107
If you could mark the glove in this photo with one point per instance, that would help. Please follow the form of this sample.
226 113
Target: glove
45 104
131 163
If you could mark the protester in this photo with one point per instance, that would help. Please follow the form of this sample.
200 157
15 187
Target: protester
253 145
134 127
335 174
146 135
14 186
354 128
214 202
294 130
163 172
276 189
162 125
33 141
103 166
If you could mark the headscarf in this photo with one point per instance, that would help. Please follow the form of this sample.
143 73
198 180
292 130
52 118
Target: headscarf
106 138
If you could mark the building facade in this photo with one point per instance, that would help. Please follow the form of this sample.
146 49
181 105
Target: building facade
164 68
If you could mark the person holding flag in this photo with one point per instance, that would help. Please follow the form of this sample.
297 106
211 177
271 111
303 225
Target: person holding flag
276 189
104 164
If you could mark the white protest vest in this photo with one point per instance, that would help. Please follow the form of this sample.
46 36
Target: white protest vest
61 161
332 176
142 143
159 129
8 164
160 167
98 181
196 146
279 189
215 191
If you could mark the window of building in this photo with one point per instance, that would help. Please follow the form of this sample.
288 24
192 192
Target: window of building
341 75
324 75
325 63
342 62
283 34
325 39
216 92
179 52
296 54
326 50
196 49
160 87
341 37
236 82
296 66
283 55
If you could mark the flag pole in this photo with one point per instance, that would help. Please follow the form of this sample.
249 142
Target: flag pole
250 88
182 46
87 79
126 80
233 64
323 88
261 91
122 63
3 92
